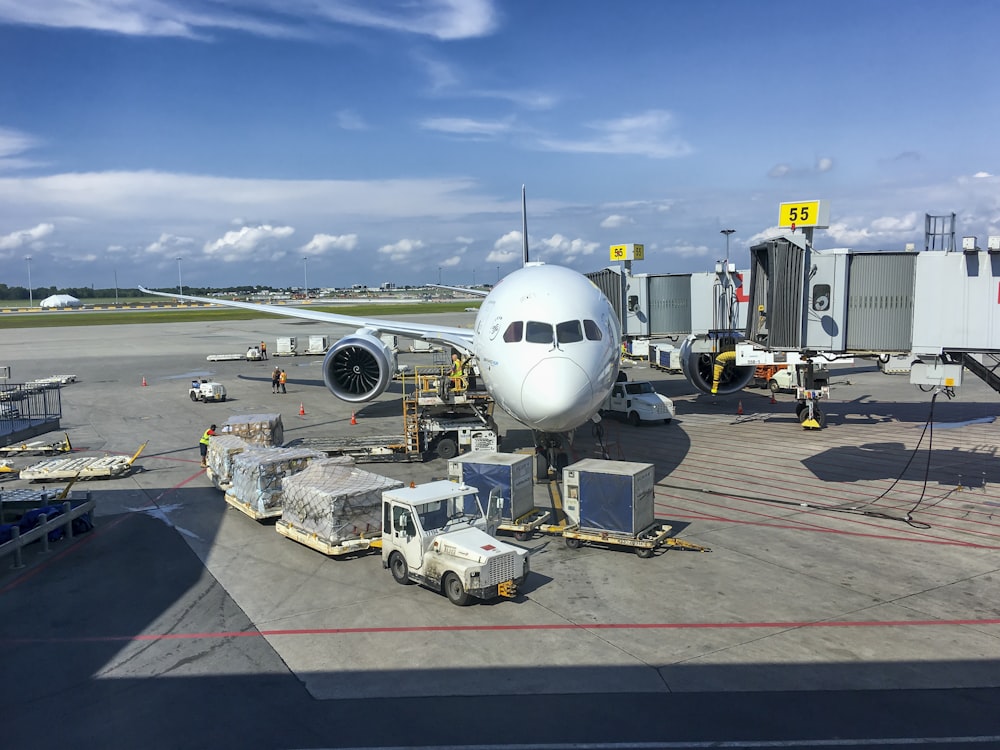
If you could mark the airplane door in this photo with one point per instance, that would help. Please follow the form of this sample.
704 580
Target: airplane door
406 536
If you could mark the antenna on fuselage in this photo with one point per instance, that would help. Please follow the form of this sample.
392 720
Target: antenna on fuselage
524 227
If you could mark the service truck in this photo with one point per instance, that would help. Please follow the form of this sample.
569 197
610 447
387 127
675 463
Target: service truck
439 535
783 377
206 390
637 401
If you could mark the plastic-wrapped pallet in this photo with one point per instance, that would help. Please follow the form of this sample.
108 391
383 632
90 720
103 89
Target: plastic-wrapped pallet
335 501
257 476
259 429
222 449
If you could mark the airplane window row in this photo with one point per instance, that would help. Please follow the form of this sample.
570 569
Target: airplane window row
568 332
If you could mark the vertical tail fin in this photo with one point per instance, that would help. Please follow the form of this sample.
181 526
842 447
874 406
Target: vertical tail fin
524 227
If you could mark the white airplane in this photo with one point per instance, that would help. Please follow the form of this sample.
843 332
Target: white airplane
546 341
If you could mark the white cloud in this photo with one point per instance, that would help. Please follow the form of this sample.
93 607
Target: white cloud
615 220
248 243
402 250
440 19
348 119
982 175
168 244
511 242
824 164
13 143
464 240
322 243
451 262
467 126
565 250
647 134
502 256
25 237
778 171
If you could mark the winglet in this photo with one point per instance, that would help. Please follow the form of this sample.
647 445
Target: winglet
524 226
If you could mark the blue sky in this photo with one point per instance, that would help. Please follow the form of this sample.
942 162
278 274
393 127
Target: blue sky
387 140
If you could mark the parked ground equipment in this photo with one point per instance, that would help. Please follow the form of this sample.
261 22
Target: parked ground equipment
206 390
638 402
81 467
507 476
429 536
37 447
437 420
611 503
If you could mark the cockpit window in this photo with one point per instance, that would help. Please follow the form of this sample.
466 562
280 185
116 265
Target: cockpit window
538 333
569 332
514 332
592 331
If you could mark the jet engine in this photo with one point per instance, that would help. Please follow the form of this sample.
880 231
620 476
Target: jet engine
359 367
712 371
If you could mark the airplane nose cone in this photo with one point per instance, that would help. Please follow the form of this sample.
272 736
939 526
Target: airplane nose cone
560 395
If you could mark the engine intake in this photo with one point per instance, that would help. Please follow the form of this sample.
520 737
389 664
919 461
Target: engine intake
359 367
701 366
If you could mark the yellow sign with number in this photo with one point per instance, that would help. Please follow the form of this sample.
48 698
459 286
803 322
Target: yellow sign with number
804 214
628 252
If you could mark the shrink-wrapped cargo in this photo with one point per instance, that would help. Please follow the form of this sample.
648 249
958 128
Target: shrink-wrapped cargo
335 501
259 429
222 449
257 475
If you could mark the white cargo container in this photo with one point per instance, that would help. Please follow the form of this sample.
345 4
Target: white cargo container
285 346
317 345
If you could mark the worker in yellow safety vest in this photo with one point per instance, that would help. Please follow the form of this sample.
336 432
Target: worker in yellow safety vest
203 444
457 373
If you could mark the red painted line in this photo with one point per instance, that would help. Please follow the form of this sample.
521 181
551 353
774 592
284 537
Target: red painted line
148 637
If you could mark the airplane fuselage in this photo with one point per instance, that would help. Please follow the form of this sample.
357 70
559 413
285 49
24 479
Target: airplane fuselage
547 343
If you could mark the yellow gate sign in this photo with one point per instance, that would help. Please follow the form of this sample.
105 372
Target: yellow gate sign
799 214
627 252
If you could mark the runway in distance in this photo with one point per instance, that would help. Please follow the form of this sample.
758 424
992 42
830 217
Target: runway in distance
545 340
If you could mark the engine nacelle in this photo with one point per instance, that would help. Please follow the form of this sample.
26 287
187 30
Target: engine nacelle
359 367
699 362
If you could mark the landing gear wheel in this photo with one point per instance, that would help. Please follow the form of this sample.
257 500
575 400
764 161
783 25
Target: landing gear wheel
572 542
522 536
399 569
446 448
454 590
633 418
644 552
818 415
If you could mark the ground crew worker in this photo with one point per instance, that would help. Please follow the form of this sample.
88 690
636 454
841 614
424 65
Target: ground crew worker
457 373
282 379
203 444
275 377
263 350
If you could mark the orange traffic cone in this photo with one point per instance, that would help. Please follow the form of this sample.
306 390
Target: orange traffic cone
353 418
739 409
773 401
143 381
302 410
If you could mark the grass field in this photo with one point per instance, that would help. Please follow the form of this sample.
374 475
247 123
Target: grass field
59 318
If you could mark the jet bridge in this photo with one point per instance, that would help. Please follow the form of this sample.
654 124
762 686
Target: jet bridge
940 307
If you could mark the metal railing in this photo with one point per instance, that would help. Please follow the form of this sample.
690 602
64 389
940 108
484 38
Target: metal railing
41 532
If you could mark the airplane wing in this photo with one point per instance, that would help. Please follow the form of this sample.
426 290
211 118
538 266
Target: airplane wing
460 338
476 292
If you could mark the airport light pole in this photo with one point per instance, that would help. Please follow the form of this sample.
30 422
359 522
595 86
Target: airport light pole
31 294
439 274
498 274
180 284
727 232
305 274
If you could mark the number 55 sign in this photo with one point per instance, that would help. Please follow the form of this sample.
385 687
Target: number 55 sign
804 214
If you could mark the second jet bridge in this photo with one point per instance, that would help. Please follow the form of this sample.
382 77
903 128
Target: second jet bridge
939 306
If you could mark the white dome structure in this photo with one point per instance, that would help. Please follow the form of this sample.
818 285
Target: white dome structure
60 300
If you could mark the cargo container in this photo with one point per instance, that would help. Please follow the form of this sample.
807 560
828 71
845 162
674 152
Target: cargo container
507 476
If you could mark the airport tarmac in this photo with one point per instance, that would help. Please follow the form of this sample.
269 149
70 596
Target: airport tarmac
845 566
